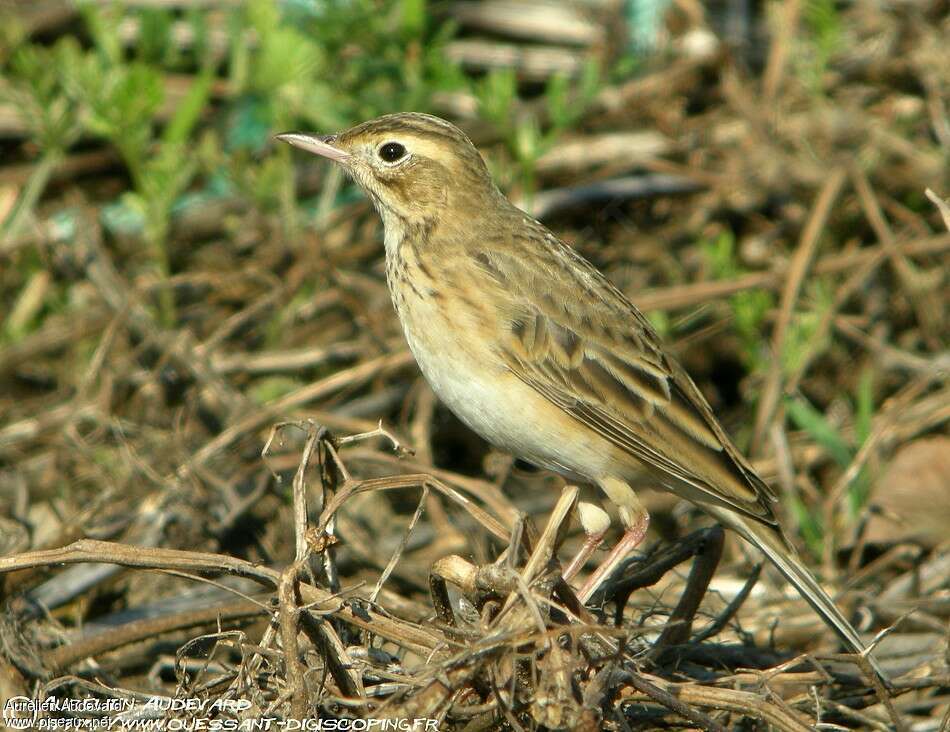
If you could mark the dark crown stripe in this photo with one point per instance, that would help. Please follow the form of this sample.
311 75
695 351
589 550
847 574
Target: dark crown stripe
411 123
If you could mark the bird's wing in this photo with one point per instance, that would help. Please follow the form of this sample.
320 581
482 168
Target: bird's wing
572 336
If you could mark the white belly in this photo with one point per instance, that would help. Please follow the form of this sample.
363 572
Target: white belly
506 412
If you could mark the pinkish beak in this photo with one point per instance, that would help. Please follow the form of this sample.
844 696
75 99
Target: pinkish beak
318 145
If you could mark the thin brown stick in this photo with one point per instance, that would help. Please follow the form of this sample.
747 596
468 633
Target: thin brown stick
289 614
801 262
674 702
317 390
683 296
731 700
62 657
913 284
391 564
941 205
680 624
342 668
784 27
405 634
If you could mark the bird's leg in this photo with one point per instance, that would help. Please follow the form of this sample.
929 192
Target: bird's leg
630 540
635 519
595 523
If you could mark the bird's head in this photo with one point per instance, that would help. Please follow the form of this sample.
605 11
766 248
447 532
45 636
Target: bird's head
415 167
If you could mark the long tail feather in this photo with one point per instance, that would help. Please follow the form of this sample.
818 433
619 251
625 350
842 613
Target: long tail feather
771 543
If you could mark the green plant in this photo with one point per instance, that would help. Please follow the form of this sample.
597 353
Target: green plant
805 337
824 38
35 88
67 90
840 449
749 307
521 130
323 67
121 99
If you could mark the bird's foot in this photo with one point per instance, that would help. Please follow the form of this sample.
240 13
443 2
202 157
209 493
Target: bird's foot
630 540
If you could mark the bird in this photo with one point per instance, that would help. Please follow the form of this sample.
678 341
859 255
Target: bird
534 349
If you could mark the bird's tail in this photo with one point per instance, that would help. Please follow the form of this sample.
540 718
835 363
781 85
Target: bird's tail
772 543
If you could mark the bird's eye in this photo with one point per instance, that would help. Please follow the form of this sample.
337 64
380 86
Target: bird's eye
391 152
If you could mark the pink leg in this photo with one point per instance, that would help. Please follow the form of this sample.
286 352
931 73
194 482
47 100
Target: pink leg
595 522
590 545
630 540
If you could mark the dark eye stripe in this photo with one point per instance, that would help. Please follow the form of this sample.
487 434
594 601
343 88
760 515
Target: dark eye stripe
391 152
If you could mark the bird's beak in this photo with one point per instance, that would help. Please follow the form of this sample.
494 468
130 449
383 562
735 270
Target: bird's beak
318 145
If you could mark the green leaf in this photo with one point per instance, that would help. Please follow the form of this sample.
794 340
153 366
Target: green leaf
271 388
859 489
496 97
807 418
201 47
154 44
750 308
103 24
13 32
566 101
721 255
36 91
239 53
864 406
412 18
189 110
557 102
660 321
285 57
811 525
528 140
801 340
822 19
122 102
263 16
590 82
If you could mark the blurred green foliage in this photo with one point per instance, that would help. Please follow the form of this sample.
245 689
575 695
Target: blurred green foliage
804 339
321 66
525 138
824 38
748 307
190 100
841 449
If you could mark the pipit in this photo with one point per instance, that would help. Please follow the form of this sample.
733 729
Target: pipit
534 349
